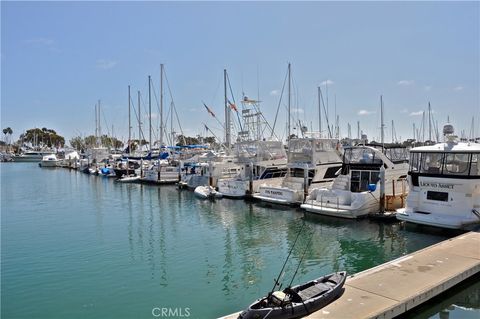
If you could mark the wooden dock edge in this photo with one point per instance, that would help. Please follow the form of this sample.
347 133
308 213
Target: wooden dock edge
433 270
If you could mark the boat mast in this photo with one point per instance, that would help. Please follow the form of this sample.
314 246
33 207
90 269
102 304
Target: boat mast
149 113
429 123
139 124
319 113
227 111
382 125
99 123
96 126
161 105
289 99
129 123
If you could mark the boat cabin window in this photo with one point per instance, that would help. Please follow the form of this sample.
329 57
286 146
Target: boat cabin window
360 156
325 145
454 164
360 179
474 165
299 172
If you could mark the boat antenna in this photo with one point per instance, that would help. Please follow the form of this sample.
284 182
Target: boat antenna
301 259
277 283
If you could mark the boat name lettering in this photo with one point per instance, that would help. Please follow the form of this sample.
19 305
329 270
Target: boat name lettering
437 185
273 192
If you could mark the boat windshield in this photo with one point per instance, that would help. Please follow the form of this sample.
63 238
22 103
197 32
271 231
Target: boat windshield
451 163
300 150
259 150
360 155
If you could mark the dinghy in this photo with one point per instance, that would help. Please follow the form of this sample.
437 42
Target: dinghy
206 192
129 179
298 301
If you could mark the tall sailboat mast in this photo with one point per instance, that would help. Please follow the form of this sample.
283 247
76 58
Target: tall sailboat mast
96 125
382 134
289 98
149 113
139 123
227 111
161 105
429 122
99 123
319 112
129 122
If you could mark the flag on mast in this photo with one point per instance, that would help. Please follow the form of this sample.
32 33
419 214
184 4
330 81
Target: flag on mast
233 106
208 110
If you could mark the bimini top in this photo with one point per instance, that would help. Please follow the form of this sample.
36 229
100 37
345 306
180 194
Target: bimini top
448 147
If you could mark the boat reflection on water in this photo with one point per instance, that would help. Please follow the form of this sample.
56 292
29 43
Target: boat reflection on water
460 302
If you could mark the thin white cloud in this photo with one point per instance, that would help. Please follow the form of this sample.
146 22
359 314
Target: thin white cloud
106 64
418 113
327 82
274 92
458 88
428 87
404 110
405 82
365 112
41 41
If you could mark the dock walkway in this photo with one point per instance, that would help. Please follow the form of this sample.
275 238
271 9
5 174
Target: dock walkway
395 287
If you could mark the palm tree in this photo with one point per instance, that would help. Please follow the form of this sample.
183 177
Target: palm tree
10 132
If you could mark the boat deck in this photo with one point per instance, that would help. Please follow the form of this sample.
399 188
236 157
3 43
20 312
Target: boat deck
395 287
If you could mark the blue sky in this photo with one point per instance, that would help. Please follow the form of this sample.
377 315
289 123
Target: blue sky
59 58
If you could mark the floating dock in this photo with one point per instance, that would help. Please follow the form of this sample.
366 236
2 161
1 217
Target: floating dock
395 287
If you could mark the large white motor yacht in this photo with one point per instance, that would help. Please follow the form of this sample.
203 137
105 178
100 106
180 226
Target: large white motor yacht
312 163
356 192
444 181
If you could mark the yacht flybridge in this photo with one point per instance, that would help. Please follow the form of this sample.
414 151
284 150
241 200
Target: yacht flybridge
444 181
357 191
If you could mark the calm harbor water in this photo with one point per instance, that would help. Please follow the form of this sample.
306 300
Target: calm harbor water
79 246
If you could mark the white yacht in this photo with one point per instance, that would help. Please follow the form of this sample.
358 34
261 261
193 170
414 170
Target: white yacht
161 172
312 163
50 160
259 161
444 181
207 169
356 191
31 156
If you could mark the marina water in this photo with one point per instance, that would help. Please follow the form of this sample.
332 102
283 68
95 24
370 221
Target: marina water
80 246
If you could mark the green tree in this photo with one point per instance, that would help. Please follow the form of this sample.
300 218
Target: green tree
43 137
188 140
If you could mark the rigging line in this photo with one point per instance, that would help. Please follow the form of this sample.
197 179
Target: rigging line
301 259
179 125
156 100
280 101
173 102
136 115
108 130
234 102
276 283
326 114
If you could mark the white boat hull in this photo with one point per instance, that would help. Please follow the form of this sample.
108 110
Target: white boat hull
206 192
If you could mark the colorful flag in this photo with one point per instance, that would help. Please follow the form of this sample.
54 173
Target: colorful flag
233 106
208 110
